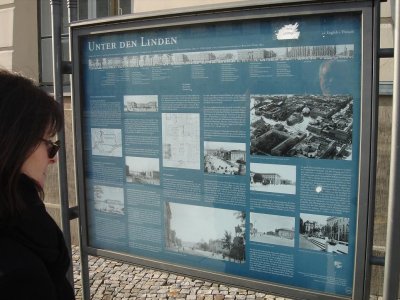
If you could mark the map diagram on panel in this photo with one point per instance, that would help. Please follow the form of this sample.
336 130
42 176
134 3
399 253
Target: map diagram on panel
181 140
106 142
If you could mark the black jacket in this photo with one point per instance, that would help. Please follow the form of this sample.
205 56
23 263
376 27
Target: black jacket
33 256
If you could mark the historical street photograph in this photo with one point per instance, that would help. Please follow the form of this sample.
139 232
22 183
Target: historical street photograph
140 103
324 233
273 178
272 229
205 231
225 158
143 170
109 199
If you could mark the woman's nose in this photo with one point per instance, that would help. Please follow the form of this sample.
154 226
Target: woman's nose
54 159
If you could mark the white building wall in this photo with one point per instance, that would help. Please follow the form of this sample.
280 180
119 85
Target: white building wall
6 34
19 36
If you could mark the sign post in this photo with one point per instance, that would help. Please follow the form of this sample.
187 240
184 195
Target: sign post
231 146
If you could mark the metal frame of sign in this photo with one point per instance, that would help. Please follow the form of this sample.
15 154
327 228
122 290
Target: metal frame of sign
94 79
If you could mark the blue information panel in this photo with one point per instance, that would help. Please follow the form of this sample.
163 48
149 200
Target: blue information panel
230 147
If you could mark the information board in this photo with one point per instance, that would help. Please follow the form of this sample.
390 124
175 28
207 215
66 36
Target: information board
230 146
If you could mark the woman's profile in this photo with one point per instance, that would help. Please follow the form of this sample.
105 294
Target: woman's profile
33 256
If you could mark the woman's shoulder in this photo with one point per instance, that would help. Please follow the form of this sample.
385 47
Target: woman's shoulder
23 275
15 256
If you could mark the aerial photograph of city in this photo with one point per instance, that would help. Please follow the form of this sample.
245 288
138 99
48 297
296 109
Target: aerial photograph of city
308 126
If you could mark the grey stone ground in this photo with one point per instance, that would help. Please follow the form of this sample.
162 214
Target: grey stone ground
120 281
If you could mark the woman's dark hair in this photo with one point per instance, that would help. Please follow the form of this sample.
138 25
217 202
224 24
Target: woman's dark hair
27 114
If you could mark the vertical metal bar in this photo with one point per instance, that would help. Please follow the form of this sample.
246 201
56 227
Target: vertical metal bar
392 261
72 10
56 23
85 275
84 257
374 134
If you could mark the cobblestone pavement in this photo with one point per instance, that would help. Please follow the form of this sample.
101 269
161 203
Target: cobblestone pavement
116 280
113 280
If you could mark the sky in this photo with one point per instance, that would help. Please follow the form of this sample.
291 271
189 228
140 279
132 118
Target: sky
142 163
225 146
195 223
265 223
112 193
285 171
317 218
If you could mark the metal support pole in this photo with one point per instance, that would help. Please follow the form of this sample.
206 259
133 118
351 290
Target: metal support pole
72 6
392 260
373 150
72 10
56 23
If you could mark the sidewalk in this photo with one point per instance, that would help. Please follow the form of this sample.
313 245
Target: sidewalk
121 281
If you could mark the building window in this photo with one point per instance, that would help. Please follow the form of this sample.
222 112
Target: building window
87 9
45 52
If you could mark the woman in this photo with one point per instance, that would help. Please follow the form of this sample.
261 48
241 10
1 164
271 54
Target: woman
33 255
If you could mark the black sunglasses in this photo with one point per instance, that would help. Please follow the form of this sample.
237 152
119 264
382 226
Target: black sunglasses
52 147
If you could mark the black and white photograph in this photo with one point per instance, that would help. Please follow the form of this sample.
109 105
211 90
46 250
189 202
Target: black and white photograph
205 231
109 199
225 158
314 52
143 170
272 229
140 103
307 126
273 178
324 233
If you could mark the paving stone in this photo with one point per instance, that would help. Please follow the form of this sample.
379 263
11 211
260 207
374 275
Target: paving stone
112 280
260 295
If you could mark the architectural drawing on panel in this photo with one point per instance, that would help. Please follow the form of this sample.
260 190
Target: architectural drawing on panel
106 142
181 140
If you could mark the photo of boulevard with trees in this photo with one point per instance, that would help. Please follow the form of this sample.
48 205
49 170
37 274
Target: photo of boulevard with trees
205 231
225 158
